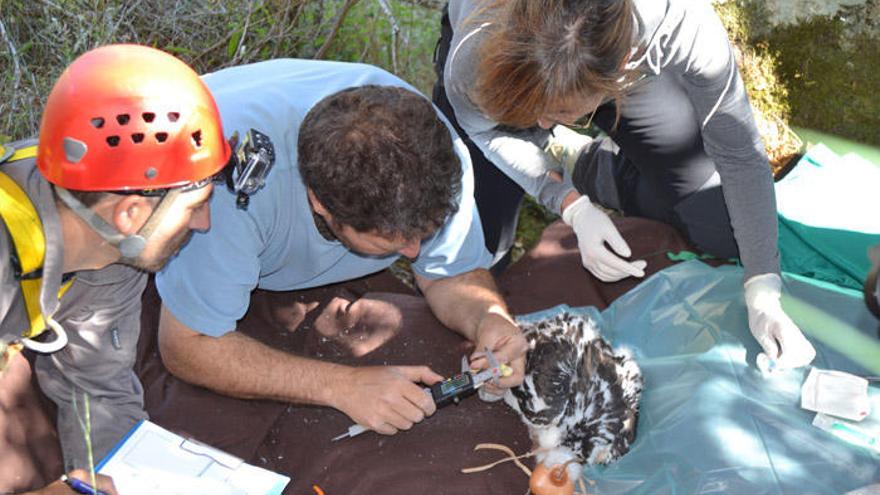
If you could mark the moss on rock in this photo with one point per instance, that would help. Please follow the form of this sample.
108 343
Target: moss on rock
822 73
833 77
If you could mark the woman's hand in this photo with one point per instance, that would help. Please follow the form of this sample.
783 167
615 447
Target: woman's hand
596 233
778 335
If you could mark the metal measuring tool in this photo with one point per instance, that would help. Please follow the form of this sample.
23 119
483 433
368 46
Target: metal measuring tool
452 389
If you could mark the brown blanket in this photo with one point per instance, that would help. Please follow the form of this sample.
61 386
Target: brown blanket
375 320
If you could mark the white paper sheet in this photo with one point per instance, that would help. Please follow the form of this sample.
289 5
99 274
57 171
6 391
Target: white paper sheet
153 460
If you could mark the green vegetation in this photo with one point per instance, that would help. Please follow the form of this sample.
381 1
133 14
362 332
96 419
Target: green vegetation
533 219
85 424
821 74
38 38
833 76
757 62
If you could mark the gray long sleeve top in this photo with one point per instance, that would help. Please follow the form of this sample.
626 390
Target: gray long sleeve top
682 36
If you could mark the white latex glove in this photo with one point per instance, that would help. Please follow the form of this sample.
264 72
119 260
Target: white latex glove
781 339
594 229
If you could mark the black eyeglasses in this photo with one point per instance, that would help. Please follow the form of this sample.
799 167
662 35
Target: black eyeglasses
192 186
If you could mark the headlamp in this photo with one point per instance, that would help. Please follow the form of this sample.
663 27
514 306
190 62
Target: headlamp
248 166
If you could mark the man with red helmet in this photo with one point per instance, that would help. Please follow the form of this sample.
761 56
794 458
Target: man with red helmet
129 143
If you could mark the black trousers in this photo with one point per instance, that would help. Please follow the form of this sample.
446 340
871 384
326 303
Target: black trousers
659 166
652 164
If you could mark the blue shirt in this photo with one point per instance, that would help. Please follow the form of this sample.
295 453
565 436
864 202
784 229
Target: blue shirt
274 244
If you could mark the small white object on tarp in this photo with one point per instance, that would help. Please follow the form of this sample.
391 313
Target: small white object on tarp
837 394
864 434
841 403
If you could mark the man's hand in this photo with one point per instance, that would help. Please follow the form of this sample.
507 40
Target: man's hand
471 305
505 339
780 338
594 229
387 399
105 484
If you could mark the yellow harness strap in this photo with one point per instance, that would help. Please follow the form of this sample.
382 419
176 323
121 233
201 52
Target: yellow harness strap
29 152
5 153
29 244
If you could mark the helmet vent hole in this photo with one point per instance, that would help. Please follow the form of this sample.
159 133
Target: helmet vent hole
161 137
173 116
137 137
97 122
113 141
123 118
149 117
197 139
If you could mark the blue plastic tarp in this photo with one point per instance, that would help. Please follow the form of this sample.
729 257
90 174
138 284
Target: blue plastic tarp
709 421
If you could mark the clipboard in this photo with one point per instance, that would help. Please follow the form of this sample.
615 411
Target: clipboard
151 459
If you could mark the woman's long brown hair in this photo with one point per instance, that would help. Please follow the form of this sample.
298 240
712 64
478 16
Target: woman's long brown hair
544 52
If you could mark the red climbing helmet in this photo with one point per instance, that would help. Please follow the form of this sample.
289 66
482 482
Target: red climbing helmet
130 117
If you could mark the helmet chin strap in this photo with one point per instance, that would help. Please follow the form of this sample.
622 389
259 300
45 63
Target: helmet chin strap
129 246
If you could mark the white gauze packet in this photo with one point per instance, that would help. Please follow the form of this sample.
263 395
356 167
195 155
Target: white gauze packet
836 393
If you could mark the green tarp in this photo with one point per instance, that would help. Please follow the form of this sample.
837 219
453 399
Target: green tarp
829 215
